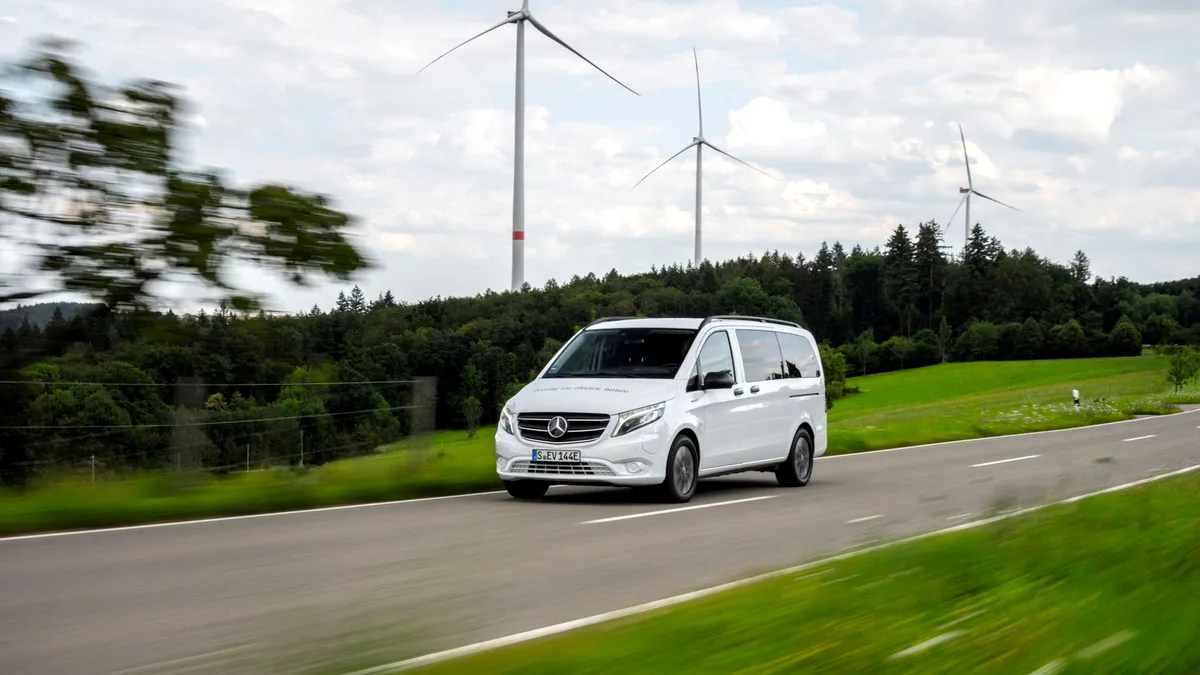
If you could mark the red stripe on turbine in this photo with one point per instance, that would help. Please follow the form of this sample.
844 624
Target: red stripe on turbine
518 235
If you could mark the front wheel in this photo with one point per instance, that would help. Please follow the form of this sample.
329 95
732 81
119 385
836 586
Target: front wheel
796 470
683 467
526 489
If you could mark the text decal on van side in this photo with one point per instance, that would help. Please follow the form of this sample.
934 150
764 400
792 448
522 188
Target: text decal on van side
610 390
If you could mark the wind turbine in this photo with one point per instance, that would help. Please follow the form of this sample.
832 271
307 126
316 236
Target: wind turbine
698 142
967 192
521 17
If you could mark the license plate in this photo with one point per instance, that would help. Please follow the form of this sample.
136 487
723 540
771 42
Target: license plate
557 455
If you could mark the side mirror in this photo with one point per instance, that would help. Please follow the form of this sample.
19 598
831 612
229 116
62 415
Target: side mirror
718 380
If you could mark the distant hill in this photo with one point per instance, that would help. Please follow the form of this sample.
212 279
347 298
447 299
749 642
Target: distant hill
39 314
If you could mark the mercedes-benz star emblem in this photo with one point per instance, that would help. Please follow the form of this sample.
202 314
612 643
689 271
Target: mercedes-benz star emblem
557 428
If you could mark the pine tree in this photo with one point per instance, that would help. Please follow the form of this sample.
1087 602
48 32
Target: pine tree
900 288
358 301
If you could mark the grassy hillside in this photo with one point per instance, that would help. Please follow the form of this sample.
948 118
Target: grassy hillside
973 400
1094 587
939 403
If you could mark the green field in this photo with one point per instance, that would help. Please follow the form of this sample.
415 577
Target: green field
938 403
1105 585
973 400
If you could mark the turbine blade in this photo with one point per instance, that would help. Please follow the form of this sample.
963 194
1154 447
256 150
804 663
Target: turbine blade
512 19
738 160
546 31
966 160
689 146
980 194
699 107
946 227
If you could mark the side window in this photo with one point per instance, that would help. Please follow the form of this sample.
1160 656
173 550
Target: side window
799 357
715 356
760 355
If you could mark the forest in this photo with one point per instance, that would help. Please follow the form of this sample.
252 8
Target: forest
226 389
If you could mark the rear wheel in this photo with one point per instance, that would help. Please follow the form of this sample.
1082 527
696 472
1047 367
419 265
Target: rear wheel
526 489
796 470
682 471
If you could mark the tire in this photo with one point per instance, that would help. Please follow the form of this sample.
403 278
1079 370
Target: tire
526 489
683 463
796 470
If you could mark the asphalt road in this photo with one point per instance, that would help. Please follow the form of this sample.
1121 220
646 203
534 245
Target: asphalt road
285 592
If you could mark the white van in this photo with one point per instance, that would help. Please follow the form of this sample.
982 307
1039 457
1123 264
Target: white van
661 403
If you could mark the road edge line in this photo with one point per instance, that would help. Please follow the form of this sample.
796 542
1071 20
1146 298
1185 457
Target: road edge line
567 626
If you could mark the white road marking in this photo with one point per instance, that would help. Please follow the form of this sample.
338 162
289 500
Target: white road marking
1139 438
567 626
224 519
1006 461
812 574
1106 644
931 642
960 516
676 510
69 533
863 520
1051 668
186 659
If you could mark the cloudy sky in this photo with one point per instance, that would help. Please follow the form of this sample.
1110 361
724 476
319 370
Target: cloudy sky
1082 113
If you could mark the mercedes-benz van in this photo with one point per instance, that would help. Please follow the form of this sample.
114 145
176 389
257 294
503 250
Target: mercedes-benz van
662 403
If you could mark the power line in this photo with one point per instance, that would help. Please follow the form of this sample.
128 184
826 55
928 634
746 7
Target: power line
210 384
210 423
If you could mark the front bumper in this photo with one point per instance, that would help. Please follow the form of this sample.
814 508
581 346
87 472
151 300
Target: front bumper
609 461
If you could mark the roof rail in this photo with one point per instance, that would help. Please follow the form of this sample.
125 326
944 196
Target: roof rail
604 319
737 317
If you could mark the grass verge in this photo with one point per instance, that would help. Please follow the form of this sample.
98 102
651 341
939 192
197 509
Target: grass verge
1104 585
452 465
925 405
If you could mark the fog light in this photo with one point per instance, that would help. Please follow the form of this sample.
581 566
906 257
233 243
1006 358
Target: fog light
501 463
635 467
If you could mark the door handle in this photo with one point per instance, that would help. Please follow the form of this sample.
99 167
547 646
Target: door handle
754 389
737 392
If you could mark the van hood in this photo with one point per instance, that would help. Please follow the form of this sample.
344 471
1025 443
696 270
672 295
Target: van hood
608 396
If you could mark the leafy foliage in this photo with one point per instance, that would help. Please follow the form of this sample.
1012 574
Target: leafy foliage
95 200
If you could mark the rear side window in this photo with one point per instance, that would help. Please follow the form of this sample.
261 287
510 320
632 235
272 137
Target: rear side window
761 357
799 357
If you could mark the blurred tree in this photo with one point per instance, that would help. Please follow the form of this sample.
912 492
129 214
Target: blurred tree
95 201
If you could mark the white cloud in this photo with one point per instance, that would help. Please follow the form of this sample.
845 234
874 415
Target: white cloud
1077 117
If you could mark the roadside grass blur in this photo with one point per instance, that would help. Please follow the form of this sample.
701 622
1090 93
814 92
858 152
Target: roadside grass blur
451 464
1108 584
925 405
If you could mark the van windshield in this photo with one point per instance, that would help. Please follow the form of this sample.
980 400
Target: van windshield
624 352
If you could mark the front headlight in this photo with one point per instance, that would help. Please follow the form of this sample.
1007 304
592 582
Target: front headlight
506 421
636 419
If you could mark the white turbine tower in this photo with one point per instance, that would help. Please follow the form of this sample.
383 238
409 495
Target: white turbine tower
698 142
967 192
521 17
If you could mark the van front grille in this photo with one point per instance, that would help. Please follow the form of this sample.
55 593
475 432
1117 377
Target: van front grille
581 427
560 468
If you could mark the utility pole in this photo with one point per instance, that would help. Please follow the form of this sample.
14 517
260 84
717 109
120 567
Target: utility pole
247 458
301 448
93 469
